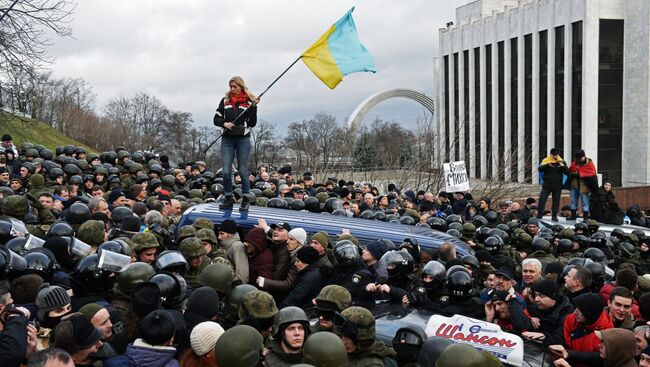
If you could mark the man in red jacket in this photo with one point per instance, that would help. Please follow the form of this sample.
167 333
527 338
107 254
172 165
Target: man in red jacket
579 327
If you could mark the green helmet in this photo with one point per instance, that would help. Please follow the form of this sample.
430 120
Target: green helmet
258 304
15 206
144 240
325 349
241 345
363 325
207 235
322 197
186 231
101 170
133 275
123 154
288 316
31 152
92 232
567 233
218 277
466 356
524 239
236 297
469 230
200 223
26 145
91 156
196 200
196 193
135 168
262 201
334 296
191 247
168 180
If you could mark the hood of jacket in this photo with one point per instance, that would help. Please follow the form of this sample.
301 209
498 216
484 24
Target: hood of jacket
619 346
141 354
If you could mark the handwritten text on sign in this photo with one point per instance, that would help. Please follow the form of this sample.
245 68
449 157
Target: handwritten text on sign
456 178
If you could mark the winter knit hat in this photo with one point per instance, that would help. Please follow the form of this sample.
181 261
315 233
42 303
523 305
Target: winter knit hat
228 226
157 328
591 305
49 298
377 248
75 332
204 336
546 287
322 238
90 310
307 255
299 235
204 301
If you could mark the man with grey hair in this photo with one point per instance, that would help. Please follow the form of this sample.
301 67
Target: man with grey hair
531 273
98 205
153 217
51 357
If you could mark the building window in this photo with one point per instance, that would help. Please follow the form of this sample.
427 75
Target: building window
445 152
488 109
559 89
576 86
477 110
501 114
543 98
457 120
466 105
610 100
528 106
514 136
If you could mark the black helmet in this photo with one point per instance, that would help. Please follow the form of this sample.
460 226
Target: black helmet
594 254
505 237
557 228
312 204
541 244
5 231
68 150
277 203
565 245
17 245
454 218
298 205
76 180
71 169
10 262
578 261
340 213
504 227
367 214
401 261
479 221
582 227
436 270
54 173
46 154
119 213
460 284
78 213
39 263
407 342
455 225
172 288
437 223
379 215
407 219
59 229
455 233
493 244
332 204
117 246
482 233
171 261
94 279
346 252
472 261
491 216
597 275
618 233
156 169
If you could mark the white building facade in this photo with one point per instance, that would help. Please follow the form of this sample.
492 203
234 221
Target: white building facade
517 78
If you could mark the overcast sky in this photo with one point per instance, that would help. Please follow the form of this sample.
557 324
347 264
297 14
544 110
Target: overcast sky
184 52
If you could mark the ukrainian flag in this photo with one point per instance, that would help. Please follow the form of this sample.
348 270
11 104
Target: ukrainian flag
338 52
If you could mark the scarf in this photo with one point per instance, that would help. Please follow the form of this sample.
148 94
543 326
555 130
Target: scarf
239 98
551 159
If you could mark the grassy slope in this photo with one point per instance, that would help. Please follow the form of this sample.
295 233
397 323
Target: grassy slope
24 129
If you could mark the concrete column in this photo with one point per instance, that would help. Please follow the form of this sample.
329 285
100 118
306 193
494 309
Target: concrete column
483 148
472 115
568 65
451 134
495 107
534 133
521 122
590 46
507 106
442 133
461 105
550 91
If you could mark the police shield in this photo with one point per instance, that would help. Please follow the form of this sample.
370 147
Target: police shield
112 261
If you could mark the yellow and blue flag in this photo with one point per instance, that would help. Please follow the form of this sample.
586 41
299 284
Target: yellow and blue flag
338 52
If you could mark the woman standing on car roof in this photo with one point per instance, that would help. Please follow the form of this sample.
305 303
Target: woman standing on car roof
236 115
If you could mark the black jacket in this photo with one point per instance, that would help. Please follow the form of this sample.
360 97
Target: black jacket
13 342
308 285
553 175
227 112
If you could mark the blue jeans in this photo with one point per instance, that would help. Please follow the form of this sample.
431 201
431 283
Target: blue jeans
241 146
584 197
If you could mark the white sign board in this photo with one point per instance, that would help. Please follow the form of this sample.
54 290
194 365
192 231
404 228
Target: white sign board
456 178
509 348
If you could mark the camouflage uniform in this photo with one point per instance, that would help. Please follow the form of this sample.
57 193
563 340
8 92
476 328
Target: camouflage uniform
369 352
192 248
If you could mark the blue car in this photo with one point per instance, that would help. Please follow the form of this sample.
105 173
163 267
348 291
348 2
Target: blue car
364 230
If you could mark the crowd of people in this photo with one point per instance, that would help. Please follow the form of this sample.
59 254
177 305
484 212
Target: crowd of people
94 269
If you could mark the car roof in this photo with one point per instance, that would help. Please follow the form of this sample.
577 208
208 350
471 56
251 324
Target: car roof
604 227
365 230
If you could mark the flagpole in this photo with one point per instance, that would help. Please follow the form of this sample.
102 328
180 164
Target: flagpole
261 94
